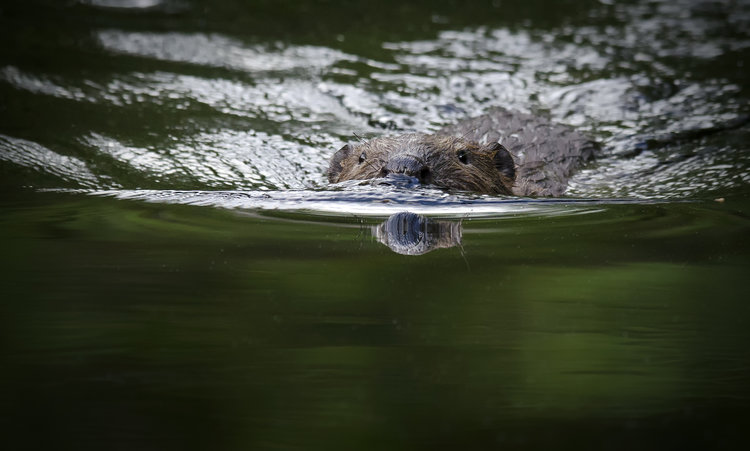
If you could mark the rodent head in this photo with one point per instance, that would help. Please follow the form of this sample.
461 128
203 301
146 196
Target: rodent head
444 161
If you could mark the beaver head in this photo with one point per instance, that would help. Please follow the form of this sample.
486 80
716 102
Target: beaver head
444 161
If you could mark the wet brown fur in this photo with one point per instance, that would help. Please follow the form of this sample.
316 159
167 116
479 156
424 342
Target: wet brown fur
536 157
439 154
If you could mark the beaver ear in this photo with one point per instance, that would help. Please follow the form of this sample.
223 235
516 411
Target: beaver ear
334 169
503 161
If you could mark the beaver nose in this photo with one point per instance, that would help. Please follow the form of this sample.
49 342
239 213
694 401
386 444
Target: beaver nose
408 165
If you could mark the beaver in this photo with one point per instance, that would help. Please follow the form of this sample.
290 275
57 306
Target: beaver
501 152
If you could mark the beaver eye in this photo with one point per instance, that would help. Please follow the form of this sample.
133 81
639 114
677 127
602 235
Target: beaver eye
362 157
463 156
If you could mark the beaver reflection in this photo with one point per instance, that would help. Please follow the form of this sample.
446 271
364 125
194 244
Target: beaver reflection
412 234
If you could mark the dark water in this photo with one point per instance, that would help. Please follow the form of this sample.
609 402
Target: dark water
177 274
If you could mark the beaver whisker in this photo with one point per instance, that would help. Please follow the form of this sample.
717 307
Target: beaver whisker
468 132
373 164
359 138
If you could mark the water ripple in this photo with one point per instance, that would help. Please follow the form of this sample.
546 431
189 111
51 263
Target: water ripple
31 155
215 50
266 116
371 202
241 160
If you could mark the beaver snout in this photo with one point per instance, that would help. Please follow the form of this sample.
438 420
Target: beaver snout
408 165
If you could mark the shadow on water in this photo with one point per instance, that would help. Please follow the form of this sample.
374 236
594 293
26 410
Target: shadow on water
411 234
